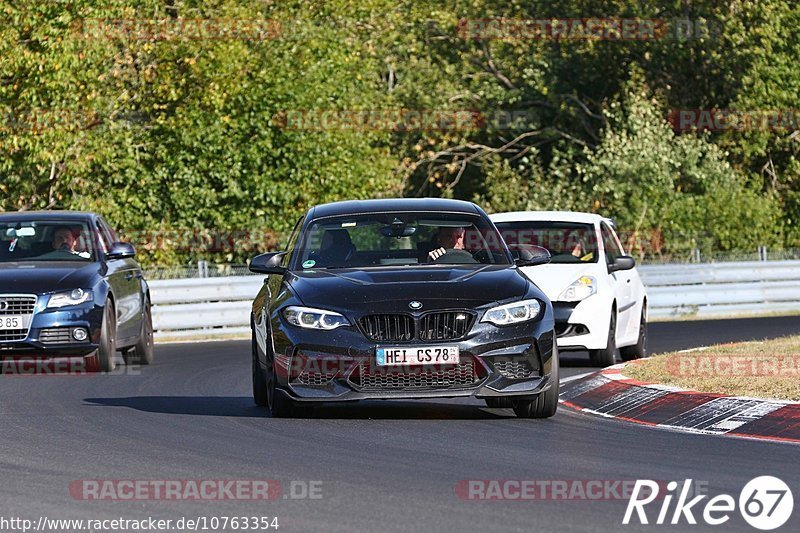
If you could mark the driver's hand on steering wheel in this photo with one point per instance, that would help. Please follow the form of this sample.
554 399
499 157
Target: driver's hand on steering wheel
436 254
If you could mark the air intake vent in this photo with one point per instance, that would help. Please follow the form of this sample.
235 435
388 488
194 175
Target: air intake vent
388 328
446 325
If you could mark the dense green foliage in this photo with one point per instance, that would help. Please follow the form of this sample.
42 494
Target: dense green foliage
183 134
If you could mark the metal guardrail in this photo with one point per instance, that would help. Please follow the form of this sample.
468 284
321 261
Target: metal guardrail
199 307
722 289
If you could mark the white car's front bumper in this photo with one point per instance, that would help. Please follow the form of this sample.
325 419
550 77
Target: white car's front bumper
582 325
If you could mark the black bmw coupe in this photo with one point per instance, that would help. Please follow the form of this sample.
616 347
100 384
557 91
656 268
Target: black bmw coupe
405 298
69 289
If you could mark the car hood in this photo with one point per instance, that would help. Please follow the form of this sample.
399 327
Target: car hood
393 288
39 278
552 279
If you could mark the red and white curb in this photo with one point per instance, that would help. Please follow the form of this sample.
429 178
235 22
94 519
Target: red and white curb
611 394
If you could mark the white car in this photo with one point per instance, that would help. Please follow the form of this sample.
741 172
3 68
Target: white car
599 300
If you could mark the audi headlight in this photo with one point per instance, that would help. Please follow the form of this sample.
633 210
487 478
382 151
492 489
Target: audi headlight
581 289
309 318
73 297
513 313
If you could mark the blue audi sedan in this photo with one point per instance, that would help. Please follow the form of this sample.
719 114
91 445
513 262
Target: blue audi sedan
68 288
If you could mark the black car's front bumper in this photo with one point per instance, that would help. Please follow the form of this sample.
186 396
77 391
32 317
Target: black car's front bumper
318 366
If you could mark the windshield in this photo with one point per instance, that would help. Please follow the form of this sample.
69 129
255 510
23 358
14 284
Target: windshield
45 240
383 239
567 242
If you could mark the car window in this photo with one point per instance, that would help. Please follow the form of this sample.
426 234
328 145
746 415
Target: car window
610 244
109 234
290 246
567 242
26 240
384 239
102 238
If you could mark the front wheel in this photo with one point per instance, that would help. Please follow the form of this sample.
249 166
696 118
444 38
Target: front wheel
142 352
606 356
638 350
546 403
259 379
498 403
107 351
279 405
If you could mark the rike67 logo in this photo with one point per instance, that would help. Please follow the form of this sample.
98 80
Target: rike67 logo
765 503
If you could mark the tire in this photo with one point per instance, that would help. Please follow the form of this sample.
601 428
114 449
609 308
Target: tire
259 379
142 352
607 356
638 350
498 403
107 351
279 405
546 404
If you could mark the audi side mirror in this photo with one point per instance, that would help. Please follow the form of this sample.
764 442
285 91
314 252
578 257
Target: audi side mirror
121 250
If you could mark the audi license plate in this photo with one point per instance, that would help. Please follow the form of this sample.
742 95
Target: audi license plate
11 322
424 355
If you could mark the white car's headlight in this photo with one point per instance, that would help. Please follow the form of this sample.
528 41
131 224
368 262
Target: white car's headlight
309 318
581 289
513 313
74 297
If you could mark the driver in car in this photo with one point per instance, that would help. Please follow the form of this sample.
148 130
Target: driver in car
64 239
67 240
444 240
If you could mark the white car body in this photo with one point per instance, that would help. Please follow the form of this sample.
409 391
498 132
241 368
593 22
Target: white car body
585 324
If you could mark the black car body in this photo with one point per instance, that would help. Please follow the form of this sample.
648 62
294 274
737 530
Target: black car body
69 289
392 316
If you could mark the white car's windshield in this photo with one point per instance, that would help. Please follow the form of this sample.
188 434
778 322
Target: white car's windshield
567 242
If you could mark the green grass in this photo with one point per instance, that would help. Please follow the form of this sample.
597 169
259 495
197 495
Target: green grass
762 369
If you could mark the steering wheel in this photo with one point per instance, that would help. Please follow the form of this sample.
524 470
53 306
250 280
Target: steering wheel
455 256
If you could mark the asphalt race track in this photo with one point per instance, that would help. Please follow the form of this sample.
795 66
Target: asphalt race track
376 466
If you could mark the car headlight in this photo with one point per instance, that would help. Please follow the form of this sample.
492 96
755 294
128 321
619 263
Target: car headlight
581 289
309 318
73 297
513 313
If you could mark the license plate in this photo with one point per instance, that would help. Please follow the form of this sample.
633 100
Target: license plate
424 355
11 322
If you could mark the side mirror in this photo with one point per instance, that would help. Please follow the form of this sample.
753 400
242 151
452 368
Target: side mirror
529 255
121 250
268 263
623 262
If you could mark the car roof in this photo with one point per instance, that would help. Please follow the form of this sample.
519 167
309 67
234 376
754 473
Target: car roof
47 215
550 216
354 207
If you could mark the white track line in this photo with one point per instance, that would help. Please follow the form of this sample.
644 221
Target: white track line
564 381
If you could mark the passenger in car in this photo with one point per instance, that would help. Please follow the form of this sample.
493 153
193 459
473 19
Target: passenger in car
336 249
